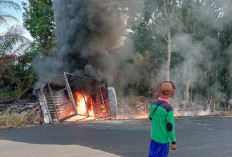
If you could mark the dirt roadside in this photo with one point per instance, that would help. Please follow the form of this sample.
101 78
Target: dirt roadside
17 149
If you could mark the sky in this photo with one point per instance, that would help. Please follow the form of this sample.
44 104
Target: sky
18 15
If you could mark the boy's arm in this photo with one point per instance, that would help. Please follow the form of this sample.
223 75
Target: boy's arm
171 126
151 112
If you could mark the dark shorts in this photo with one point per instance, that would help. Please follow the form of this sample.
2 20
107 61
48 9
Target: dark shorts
158 149
222 103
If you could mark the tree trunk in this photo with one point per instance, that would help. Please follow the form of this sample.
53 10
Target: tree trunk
186 93
23 92
168 57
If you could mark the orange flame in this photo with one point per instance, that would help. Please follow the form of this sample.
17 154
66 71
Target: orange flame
84 108
81 104
142 116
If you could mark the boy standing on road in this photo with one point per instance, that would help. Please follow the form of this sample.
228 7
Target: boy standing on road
162 117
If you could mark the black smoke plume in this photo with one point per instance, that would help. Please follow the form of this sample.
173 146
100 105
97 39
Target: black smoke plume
90 39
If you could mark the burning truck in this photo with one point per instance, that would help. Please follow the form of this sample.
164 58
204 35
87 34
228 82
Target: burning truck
70 97
90 38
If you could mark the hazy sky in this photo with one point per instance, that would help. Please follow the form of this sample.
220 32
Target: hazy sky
18 15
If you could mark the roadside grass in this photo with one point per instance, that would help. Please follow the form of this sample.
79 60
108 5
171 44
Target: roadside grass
228 113
9 120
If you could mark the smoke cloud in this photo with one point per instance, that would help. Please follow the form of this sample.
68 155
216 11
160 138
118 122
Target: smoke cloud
90 35
200 54
196 55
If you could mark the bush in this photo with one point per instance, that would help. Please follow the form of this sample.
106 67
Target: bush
8 120
9 94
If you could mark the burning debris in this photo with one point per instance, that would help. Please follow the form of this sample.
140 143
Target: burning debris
71 98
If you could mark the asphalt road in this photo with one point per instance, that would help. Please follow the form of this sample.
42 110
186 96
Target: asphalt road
201 137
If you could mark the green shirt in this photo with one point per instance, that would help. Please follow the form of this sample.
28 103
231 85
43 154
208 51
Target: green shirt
162 127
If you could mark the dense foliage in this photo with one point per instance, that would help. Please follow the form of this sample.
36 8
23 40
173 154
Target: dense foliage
17 76
39 21
200 38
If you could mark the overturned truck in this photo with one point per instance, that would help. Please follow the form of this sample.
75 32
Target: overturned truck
69 97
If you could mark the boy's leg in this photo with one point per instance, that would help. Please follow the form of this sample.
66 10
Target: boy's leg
158 149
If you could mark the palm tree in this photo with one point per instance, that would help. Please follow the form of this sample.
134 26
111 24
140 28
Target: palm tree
12 34
7 4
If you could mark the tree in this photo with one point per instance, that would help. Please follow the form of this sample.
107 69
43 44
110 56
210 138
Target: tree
13 42
202 56
15 58
39 21
7 4
17 70
164 19
13 33
225 74
148 50
159 24
15 63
